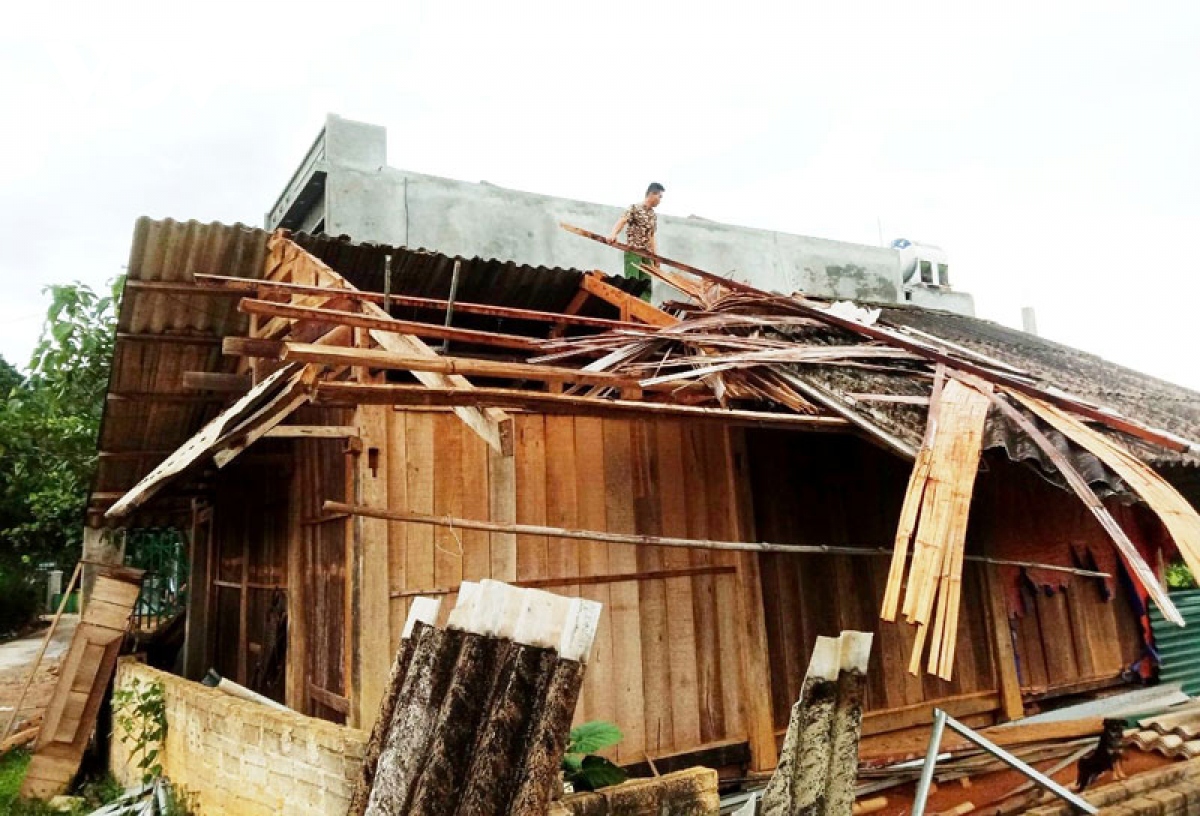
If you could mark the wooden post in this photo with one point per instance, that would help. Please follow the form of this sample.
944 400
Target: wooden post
371 550
195 639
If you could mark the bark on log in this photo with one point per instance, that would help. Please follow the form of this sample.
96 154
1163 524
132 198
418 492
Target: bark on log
383 721
492 779
548 741
458 723
405 750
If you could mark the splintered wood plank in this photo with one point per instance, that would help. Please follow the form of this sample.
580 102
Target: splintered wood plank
475 504
562 497
704 594
419 559
531 494
502 500
625 596
447 500
598 701
681 627
656 666
397 496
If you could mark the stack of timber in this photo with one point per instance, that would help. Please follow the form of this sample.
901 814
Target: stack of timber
737 355
819 762
476 716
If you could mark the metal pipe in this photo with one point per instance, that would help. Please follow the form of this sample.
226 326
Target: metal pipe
935 742
1004 756
450 301
387 283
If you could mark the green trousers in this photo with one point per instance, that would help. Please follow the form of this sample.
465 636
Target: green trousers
633 263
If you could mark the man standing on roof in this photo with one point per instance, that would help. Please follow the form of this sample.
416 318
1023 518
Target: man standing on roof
640 223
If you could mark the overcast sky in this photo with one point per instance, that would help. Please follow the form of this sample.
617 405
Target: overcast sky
1050 148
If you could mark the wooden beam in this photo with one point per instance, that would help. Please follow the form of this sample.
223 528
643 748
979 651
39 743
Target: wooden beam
119 456
252 347
585 580
312 432
387 324
177 288
593 283
376 358
216 381
240 286
540 402
1011 704
163 398
178 339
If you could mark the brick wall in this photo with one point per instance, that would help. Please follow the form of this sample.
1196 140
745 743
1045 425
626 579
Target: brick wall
238 757
1170 791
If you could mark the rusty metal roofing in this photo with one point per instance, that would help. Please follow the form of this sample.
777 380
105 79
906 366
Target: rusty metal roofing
1147 399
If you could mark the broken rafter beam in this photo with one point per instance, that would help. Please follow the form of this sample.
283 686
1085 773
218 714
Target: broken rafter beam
240 286
311 432
539 402
338 508
409 327
375 358
177 288
594 284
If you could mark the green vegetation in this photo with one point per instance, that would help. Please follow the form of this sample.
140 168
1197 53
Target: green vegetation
49 419
93 793
1180 577
140 715
581 767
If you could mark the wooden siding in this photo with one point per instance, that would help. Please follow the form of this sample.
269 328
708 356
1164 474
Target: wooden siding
665 666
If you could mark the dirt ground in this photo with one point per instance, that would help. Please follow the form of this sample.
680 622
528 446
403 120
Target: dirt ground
16 656
985 790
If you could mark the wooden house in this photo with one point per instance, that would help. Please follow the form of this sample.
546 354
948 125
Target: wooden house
233 413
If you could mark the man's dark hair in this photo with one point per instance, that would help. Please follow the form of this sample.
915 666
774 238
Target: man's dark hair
655 187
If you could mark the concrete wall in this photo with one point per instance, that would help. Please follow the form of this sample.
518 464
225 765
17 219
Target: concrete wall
238 757
369 201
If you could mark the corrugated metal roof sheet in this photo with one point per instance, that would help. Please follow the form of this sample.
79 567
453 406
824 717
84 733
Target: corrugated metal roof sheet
1179 647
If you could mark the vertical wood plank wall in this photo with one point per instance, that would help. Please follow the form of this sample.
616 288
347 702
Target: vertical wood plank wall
665 665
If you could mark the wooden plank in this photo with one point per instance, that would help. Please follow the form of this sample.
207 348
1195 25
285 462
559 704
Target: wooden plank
681 627
380 324
355 394
625 598
447 499
581 581
107 615
531 495
419 557
502 501
372 616
704 597
656 663
1004 657
562 497
476 563
593 283
755 698
327 698
598 698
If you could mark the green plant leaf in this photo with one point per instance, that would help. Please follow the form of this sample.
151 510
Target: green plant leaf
590 737
597 772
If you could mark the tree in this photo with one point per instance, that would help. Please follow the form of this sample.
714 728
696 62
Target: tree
48 428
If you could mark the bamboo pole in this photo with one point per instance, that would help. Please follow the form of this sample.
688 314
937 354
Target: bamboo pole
659 541
37 661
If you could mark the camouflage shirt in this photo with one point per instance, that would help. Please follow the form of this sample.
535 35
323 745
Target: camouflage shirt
640 225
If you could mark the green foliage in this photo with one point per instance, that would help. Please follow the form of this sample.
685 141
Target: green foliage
1180 577
582 768
20 603
48 425
140 712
